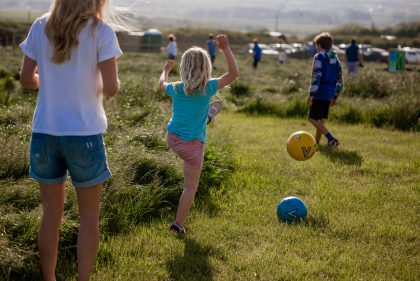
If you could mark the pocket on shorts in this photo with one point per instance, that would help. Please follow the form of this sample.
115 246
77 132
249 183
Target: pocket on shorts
38 150
86 158
86 151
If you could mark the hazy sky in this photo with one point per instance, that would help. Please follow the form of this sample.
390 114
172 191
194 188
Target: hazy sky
255 14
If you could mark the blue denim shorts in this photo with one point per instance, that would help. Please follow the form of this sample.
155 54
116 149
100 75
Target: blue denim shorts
83 157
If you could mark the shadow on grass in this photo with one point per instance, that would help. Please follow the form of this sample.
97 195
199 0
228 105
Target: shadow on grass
193 264
315 221
340 155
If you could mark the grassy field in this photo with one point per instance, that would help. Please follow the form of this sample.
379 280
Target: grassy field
363 213
363 198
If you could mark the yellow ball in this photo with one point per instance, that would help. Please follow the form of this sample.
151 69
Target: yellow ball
301 145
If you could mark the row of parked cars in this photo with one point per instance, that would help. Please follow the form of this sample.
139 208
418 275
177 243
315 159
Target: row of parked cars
308 49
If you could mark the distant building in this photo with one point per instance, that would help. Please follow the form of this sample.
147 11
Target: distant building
148 41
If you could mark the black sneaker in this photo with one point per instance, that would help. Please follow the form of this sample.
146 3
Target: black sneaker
176 228
333 142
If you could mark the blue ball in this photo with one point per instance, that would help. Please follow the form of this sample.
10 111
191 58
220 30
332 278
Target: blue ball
291 209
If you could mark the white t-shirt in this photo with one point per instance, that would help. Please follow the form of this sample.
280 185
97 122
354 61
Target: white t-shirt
171 48
69 102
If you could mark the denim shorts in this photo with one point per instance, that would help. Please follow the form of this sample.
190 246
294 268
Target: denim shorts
83 157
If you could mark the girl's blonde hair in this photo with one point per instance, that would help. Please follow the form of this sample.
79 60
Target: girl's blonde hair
67 18
195 70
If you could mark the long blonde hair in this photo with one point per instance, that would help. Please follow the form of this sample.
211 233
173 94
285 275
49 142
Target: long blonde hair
67 18
195 70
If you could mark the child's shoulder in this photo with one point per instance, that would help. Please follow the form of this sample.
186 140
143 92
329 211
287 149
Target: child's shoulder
102 27
41 21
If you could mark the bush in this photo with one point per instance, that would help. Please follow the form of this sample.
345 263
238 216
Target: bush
406 116
379 117
147 171
290 87
261 106
126 207
296 108
20 198
293 108
14 157
348 114
4 73
152 142
239 89
367 85
218 164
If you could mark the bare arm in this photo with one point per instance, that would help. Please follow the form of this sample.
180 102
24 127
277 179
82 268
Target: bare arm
28 77
109 73
163 80
222 42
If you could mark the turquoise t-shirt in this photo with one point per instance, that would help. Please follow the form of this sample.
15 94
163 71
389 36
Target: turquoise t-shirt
189 113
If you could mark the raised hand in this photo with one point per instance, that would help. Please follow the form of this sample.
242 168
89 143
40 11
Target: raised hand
222 41
168 66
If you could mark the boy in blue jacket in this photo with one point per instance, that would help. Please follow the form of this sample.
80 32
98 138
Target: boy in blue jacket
326 85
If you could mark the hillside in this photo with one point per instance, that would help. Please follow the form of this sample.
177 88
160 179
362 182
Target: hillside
288 16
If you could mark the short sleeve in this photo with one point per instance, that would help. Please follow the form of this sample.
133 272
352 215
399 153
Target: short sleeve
212 86
108 44
170 89
29 45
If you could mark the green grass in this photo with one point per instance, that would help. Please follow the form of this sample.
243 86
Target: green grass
363 219
363 197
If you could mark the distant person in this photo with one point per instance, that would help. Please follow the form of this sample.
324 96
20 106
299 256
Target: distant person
3 38
192 111
282 56
353 57
326 85
70 56
172 47
211 48
256 54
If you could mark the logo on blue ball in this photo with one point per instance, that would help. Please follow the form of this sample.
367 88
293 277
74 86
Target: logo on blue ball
291 209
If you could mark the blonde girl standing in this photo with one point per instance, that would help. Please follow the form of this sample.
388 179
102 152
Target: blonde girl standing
191 111
70 56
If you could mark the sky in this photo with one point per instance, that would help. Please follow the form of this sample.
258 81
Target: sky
285 15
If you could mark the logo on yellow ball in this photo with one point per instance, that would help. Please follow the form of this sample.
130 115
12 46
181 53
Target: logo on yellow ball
301 145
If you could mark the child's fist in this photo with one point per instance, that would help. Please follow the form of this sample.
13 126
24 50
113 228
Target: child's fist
168 65
222 41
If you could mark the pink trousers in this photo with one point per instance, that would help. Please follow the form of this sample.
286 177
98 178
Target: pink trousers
192 152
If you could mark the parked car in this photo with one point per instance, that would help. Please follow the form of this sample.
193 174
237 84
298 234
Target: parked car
412 55
338 50
266 49
289 49
374 54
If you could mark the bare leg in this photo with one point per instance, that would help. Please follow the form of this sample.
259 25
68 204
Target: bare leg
48 235
88 239
191 179
319 125
318 134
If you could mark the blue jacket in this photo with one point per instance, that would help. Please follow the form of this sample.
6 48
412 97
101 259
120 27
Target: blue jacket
211 46
327 78
352 53
257 51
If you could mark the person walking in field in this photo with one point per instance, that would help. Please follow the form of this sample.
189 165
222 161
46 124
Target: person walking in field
172 48
211 48
326 85
353 57
256 54
191 112
70 56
